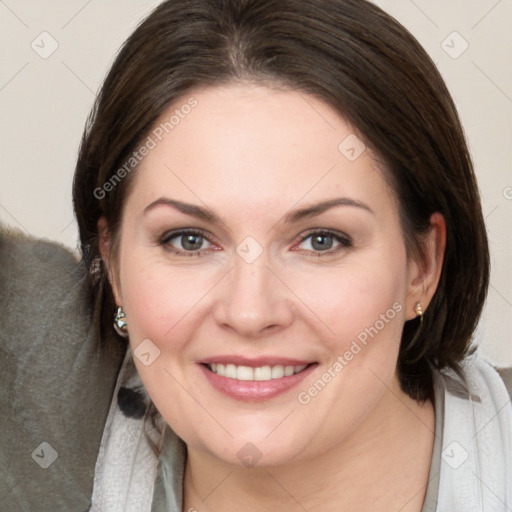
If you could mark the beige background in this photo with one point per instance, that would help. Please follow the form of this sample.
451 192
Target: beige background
44 103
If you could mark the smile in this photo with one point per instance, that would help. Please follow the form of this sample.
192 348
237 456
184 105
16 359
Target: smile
260 373
262 380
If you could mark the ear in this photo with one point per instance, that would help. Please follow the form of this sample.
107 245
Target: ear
105 247
425 269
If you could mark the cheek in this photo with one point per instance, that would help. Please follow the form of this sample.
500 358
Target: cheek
157 296
163 305
363 302
160 301
364 314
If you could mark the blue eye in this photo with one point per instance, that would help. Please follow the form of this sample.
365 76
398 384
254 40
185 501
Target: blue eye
322 242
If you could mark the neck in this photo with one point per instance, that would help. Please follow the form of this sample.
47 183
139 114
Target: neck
383 465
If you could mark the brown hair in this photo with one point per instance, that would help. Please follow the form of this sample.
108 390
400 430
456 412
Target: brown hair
357 59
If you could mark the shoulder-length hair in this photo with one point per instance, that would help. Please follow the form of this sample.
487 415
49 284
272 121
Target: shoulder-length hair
358 60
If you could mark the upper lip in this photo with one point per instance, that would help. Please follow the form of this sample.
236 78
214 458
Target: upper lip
255 362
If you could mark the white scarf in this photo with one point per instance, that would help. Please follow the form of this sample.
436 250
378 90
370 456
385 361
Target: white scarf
476 463
126 466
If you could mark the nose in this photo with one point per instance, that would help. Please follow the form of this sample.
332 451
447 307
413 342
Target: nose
255 300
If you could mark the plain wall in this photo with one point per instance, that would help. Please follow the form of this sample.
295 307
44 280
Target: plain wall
44 103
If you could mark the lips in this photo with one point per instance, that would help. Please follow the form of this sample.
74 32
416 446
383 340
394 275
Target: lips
254 379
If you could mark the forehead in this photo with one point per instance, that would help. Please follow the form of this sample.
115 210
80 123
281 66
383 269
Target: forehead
252 146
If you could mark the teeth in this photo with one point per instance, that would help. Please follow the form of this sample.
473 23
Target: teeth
259 373
263 373
244 373
277 372
230 371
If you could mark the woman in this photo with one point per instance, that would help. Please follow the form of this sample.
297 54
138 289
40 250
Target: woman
278 210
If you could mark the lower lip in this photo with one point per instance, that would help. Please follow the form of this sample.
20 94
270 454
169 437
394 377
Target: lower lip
253 390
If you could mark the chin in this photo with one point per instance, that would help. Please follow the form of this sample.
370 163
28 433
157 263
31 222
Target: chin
252 447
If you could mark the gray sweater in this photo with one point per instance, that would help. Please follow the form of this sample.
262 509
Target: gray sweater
55 386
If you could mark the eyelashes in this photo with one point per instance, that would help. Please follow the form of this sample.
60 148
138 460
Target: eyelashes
343 240
191 235
192 240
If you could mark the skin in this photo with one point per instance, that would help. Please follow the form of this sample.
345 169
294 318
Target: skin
251 154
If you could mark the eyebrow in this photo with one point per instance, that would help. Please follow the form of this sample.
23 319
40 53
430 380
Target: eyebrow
291 217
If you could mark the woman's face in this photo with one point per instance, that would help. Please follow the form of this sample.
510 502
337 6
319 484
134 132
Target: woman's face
270 332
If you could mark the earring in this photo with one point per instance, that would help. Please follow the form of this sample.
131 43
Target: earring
419 311
410 348
120 325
